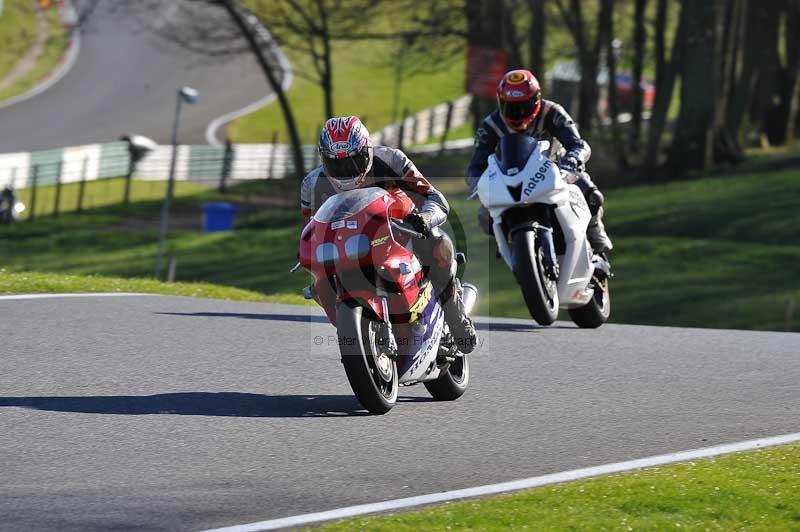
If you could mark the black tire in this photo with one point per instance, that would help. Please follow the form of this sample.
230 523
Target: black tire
596 312
539 292
372 388
452 383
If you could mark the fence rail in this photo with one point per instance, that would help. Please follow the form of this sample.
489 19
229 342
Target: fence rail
204 163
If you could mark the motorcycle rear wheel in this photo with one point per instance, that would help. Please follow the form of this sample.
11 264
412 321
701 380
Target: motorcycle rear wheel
452 383
538 291
597 311
372 375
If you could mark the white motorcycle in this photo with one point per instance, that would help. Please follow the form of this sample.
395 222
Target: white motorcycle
540 221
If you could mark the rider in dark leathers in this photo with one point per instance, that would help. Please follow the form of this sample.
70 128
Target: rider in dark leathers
521 109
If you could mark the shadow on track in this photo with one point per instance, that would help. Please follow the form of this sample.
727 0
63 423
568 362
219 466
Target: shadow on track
231 404
516 327
243 315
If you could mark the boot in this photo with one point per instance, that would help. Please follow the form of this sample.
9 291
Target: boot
597 235
461 326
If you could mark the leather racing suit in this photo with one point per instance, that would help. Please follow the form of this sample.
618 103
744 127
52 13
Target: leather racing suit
553 124
393 170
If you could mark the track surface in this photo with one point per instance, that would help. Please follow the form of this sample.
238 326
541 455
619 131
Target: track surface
125 81
151 413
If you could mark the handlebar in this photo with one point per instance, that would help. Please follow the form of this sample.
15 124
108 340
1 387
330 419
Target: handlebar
397 224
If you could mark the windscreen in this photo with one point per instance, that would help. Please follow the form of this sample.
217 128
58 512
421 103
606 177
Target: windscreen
347 203
515 150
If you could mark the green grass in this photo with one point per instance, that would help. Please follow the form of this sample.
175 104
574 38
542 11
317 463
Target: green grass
755 490
101 193
18 29
36 283
363 83
56 43
705 253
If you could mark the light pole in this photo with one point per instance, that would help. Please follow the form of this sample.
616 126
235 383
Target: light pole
188 95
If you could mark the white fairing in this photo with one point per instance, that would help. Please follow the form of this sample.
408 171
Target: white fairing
543 182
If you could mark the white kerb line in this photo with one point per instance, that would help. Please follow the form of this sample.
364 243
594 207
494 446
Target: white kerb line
515 485
14 297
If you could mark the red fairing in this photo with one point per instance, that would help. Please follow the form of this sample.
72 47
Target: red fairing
357 248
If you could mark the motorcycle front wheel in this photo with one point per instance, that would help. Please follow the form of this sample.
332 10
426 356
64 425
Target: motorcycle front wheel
371 372
539 292
596 312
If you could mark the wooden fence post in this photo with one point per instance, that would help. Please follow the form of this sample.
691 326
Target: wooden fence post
227 165
35 176
402 133
447 121
82 186
272 151
59 173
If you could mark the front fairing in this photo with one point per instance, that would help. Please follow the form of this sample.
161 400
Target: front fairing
538 181
349 244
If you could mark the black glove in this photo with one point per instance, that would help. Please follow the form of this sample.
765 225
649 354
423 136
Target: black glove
571 164
420 221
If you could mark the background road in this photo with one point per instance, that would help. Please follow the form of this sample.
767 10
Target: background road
125 80
150 413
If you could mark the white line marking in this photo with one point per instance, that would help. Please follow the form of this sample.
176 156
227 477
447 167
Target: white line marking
69 61
88 294
493 489
286 66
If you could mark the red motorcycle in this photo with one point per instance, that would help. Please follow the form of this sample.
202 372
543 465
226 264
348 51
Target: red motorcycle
390 326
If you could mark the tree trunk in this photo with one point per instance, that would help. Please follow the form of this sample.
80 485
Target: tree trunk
760 22
666 73
639 43
588 58
726 149
326 77
288 117
693 141
606 35
485 21
512 44
536 37
792 88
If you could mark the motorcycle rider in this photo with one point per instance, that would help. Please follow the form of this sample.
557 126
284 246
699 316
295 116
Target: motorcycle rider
351 161
521 109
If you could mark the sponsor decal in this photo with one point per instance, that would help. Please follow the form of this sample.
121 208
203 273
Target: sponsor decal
340 146
538 177
379 241
337 225
422 301
352 224
515 94
513 171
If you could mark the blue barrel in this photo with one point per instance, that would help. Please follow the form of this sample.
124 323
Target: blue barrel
219 216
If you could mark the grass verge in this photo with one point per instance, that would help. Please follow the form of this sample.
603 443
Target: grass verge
747 491
56 43
697 253
364 85
18 29
55 283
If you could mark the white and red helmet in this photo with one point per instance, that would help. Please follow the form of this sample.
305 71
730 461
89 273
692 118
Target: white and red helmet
346 152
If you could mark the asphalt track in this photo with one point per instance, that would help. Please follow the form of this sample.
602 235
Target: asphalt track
165 413
125 81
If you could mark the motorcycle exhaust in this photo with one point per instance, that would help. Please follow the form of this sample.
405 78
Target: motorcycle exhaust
469 296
